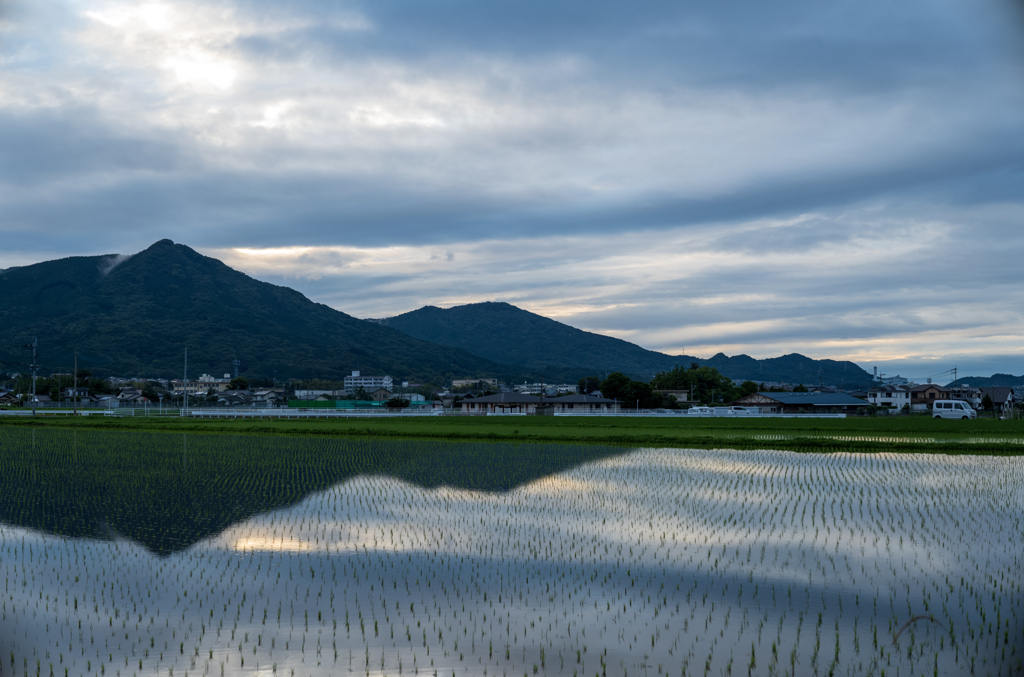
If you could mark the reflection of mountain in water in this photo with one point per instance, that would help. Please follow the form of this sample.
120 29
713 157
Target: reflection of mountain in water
167 491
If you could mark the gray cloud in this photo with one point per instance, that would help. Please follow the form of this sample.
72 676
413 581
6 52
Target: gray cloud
853 173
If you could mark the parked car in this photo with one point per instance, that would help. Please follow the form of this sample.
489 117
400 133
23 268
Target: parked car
953 409
702 411
741 411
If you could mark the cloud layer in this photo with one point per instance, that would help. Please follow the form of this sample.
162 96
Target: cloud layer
842 180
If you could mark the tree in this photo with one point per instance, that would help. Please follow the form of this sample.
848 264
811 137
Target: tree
706 383
588 384
800 389
986 402
397 403
748 388
240 383
614 387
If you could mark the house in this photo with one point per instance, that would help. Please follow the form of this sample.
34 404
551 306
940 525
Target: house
502 403
131 397
381 395
582 404
802 403
923 396
268 397
108 401
7 397
889 396
80 392
1002 398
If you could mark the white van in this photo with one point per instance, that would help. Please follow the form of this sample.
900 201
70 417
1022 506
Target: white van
953 409
701 411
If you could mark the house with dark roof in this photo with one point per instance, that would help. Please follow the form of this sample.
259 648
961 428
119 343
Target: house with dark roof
1002 398
923 396
582 404
802 403
502 403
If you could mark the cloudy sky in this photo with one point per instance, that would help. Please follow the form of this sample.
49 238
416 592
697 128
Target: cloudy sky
838 179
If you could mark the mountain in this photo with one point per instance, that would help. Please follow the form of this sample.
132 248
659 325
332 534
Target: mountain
136 315
503 332
993 381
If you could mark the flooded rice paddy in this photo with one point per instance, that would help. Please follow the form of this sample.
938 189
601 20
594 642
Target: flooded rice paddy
149 554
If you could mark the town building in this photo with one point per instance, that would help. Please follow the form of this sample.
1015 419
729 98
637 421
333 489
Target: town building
502 403
460 382
923 396
367 383
802 403
546 388
889 396
582 404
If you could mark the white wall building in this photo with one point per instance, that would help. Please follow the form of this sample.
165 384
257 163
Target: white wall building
893 396
367 383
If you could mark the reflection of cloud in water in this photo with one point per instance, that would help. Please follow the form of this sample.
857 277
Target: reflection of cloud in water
666 508
655 559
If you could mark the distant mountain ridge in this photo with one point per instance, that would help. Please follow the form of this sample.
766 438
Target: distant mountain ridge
502 332
136 315
993 381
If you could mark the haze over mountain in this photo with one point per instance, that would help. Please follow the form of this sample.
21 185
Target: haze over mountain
135 315
501 331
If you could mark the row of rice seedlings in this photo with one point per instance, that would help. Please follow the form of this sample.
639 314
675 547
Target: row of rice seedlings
667 561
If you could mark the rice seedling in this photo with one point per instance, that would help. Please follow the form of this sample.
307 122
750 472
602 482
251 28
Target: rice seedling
344 557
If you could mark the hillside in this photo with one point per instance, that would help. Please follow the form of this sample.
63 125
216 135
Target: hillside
993 381
501 331
138 316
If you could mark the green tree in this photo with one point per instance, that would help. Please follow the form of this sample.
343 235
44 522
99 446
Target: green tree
588 384
748 388
397 403
800 389
240 383
706 383
986 402
614 387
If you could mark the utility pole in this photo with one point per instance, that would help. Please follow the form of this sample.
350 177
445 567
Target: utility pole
185 401
76 382
34 367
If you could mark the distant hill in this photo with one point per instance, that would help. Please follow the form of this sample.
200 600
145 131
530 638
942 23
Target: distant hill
993 381
134 316
503 332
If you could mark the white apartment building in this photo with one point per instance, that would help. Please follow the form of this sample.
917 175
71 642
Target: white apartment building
367 383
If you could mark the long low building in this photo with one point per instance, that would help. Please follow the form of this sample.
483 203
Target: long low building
502 403
521 403
802 403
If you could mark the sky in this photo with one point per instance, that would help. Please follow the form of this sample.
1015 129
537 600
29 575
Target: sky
843 180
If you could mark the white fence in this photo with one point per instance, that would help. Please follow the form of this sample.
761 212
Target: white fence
307 413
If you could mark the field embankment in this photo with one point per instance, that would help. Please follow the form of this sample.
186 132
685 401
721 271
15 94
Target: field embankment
918 435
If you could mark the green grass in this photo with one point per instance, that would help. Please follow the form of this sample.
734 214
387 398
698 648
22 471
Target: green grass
990 437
